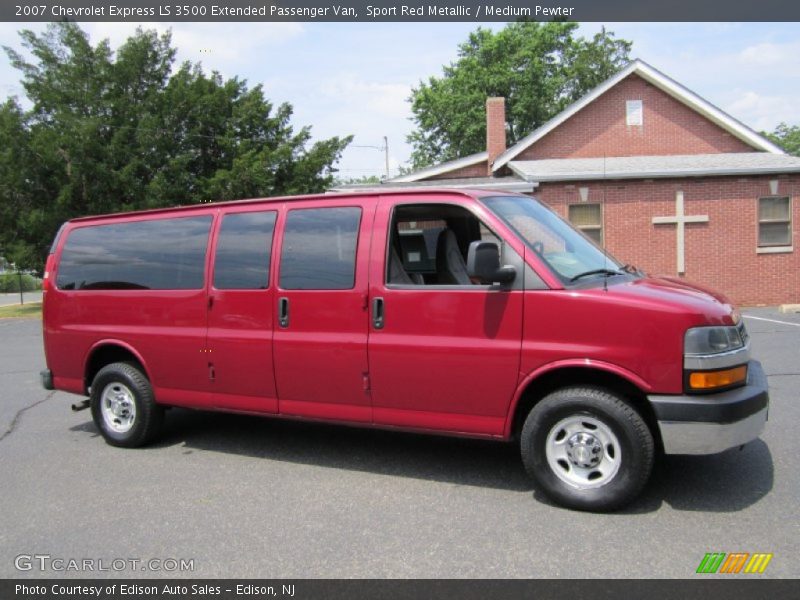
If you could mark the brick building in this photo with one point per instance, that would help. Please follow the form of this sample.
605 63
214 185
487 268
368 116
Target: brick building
664 179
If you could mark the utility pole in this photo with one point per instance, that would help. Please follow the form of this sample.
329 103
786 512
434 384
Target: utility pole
386 150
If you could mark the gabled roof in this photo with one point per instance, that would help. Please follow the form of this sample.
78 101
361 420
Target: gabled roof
664 83
442 168
647 167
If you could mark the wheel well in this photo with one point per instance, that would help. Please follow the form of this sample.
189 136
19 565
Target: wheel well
105 355
577 376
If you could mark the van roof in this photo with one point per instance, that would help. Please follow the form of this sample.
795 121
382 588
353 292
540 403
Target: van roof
333 196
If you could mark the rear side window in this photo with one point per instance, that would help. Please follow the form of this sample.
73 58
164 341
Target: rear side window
319 249
54 245
243 251
164 254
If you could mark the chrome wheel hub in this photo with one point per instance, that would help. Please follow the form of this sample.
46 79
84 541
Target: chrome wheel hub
583 451
118 407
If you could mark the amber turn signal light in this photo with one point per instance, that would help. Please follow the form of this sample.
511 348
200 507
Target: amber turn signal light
706 380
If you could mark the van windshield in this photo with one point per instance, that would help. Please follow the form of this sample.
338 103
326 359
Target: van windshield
570 254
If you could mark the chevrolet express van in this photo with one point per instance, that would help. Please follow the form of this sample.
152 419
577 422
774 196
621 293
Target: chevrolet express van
471 313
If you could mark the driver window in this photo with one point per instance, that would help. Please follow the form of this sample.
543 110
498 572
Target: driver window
428 244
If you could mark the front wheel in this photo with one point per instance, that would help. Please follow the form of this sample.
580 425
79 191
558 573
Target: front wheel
123 406
587 448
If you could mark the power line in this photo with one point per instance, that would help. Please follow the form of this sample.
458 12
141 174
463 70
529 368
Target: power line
384 149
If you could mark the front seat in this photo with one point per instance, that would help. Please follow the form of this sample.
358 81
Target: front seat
397 273
450 267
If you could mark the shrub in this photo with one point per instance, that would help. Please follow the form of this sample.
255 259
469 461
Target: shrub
9 283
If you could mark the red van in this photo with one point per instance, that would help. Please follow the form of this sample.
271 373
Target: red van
461 312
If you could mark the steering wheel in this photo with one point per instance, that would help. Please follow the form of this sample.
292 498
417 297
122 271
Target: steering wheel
538 247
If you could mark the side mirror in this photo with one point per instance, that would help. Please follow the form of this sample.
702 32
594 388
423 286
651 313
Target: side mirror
483 262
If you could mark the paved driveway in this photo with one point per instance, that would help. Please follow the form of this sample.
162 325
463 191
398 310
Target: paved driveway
6 299
247 497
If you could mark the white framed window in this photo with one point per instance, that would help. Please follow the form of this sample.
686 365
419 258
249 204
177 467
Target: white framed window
774 221
634 112
589 219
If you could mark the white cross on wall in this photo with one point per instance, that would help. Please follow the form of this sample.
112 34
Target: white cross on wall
680 219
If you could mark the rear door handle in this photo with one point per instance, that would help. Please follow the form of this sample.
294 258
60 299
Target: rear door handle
377 313
283 312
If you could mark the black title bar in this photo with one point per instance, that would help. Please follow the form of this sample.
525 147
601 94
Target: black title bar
364 11
387 589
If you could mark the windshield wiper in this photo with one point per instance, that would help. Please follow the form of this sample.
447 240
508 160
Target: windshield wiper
629 268
606 272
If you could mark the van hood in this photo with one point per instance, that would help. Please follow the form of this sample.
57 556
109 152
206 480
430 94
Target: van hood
678 294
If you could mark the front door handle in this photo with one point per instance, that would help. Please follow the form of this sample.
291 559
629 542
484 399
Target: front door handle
377 313
283 312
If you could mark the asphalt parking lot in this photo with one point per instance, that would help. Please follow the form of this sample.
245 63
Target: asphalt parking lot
251 497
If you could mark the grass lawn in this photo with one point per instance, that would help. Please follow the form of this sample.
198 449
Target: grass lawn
29 310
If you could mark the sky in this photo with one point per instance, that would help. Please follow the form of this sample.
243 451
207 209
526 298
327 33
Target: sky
355 78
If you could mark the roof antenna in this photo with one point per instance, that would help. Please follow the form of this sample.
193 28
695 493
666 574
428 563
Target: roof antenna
602 213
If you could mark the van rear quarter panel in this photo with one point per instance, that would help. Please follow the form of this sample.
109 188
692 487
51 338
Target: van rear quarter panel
167 328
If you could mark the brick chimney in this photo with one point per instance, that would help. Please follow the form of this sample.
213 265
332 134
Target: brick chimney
495 129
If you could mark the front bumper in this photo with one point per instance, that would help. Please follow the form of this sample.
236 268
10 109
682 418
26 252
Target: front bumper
715 422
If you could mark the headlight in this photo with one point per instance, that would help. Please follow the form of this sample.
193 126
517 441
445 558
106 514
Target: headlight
701 341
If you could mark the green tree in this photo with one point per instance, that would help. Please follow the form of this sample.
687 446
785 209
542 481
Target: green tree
539 68
786 137
109 131
363 180
17 193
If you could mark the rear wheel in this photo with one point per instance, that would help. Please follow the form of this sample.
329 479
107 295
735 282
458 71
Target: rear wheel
587 448
123 406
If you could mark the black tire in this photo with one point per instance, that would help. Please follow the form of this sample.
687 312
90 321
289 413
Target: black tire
576 421
135 425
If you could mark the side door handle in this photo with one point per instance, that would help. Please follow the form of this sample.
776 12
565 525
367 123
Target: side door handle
283 312
377 313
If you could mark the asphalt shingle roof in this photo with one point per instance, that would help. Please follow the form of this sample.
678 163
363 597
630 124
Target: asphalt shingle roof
638 167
